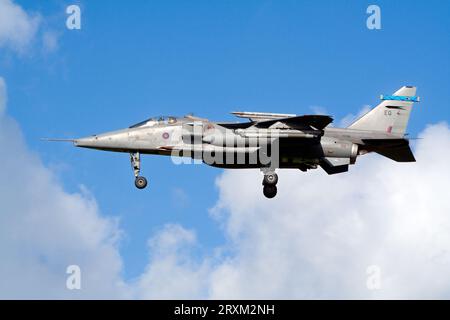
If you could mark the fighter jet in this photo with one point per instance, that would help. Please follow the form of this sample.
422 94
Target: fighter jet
267 141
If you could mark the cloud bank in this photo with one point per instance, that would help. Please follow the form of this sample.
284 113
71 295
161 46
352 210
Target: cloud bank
318 237
322 234
44 229
2 96
17 28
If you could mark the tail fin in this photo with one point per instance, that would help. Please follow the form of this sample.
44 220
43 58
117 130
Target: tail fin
391 115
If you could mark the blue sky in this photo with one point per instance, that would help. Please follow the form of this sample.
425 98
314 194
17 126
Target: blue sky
133 60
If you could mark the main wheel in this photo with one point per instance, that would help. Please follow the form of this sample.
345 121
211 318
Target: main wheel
270 179
270 191
140 182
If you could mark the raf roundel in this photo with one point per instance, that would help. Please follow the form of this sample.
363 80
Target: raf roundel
165 135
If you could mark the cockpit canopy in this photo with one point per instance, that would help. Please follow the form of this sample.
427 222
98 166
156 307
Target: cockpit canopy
155 120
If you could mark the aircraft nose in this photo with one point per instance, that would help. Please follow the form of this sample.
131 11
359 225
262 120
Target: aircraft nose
108 141
86 142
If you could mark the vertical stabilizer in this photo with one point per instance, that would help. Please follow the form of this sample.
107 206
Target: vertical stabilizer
391 115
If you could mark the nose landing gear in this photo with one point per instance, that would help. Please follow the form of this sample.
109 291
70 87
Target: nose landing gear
270 184
140 182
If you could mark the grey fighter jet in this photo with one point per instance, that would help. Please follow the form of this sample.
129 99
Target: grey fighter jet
268 141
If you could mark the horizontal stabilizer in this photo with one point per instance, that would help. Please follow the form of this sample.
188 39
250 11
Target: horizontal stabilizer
394 149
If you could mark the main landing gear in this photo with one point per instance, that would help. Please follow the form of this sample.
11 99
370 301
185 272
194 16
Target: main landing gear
139 182
270 184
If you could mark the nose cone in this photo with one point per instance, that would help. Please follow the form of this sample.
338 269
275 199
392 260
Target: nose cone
87 142
106 141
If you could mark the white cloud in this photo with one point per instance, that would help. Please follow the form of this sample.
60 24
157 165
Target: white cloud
180 198
3 96
50 41
44 229
17 28
321 233
172 273
318 110
350 118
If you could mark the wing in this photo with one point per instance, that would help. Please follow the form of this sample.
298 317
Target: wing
317 122
235 125
261 116
265 120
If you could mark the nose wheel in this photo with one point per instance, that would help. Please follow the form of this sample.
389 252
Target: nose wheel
140 182
270 184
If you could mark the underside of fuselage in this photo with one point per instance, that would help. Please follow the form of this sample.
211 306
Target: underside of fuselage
285 153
